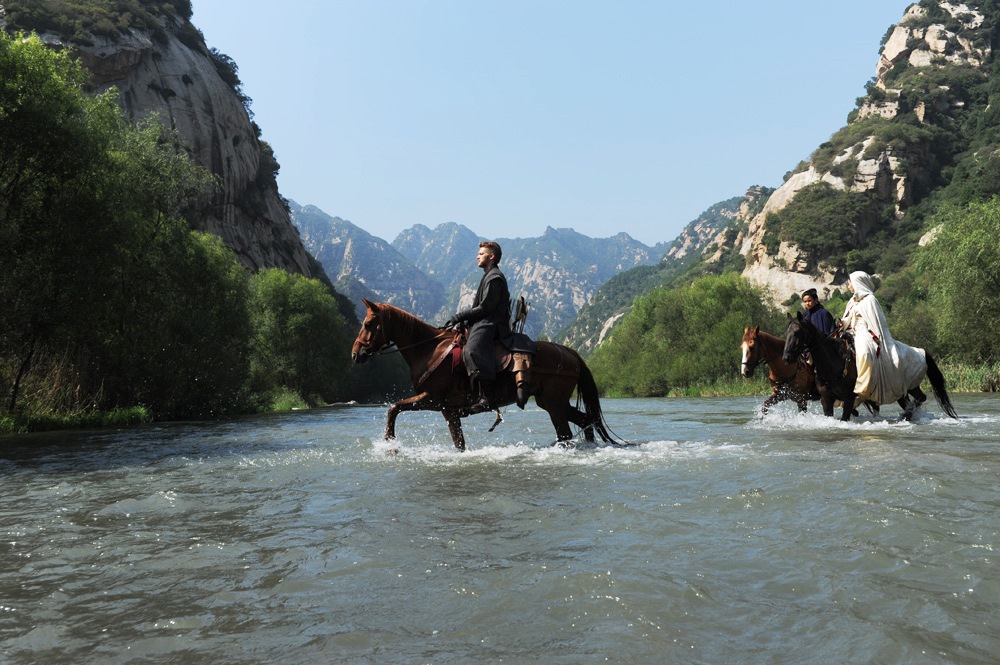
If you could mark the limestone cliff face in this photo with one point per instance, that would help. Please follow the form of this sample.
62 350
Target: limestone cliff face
889 174
178 81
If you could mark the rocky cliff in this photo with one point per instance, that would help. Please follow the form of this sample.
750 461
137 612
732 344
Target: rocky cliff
171 73
881 153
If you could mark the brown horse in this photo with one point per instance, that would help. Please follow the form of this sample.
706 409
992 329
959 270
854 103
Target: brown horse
441 383
789 380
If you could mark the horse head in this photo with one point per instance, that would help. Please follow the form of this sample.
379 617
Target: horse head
799 336
372 337
751 348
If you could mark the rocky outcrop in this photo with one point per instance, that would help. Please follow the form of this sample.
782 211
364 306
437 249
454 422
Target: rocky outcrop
921 44
177 80
889 172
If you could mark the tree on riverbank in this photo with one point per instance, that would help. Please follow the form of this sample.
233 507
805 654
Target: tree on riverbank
679 337
107 298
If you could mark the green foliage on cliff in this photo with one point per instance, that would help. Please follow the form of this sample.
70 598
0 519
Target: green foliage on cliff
110 301
74 20
822 221
680 337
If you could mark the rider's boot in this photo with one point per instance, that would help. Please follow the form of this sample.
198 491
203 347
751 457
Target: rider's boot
481 402
485 392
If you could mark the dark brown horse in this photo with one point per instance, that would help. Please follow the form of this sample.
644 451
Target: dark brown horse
794 380
441 383
837 372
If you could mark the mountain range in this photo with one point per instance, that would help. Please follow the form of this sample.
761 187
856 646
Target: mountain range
432 272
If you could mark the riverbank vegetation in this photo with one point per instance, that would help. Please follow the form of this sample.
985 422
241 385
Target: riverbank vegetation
684 340
943 296
114 310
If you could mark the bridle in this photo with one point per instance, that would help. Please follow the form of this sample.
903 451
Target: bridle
798 338
751 367
368 344
388 346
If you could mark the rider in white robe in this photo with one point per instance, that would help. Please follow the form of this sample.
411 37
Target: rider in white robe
886 368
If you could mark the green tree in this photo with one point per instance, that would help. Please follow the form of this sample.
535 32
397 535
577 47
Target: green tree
300 339
675 338
964 259
55 145
103 284
822 221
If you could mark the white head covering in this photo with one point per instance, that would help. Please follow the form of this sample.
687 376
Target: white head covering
863 284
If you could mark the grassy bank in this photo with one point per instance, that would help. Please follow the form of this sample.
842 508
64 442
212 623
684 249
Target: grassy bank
971 378
45 422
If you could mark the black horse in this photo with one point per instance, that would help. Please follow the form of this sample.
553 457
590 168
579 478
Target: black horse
837 372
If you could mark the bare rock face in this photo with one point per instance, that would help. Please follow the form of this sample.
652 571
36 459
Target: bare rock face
178 81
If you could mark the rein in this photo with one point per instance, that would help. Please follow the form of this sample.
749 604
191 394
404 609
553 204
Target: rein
764 358
390 346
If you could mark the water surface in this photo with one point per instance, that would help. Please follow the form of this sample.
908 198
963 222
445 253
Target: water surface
719 537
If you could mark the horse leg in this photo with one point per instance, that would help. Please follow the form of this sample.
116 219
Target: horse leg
556 404
848 407
561 423
908 406
455 427
415 403
828 401
769 402
579 418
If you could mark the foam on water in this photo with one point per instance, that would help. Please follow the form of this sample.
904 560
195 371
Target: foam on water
791 419
579 454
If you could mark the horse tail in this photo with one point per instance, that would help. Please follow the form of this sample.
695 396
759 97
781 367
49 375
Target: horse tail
937 383
587 391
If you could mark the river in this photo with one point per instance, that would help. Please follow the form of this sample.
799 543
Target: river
719 537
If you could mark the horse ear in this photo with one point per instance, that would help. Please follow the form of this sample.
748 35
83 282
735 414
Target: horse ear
368 303
799 315
756 330
789 315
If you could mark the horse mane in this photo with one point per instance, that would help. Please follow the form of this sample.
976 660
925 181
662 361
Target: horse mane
410 323
770 337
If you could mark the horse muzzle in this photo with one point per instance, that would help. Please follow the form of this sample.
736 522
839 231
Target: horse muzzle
360 355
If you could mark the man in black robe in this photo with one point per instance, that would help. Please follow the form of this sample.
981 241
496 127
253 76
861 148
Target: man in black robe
816 314
488 320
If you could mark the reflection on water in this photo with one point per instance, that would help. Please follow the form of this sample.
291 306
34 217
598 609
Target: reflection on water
719 537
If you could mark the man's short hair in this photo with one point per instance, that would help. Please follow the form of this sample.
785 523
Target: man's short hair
494 248
812 293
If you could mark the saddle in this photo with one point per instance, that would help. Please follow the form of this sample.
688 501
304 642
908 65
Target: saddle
507 360
514 361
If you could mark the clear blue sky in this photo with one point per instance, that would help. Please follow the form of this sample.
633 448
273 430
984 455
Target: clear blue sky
510 116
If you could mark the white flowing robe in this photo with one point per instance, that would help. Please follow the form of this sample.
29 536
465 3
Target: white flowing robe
886 368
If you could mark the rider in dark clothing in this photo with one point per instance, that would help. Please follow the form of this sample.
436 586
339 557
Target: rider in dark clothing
489 320
816 314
